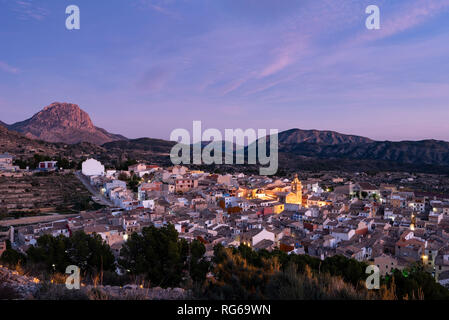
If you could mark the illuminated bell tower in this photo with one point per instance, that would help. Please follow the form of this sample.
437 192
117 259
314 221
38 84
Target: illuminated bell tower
297 189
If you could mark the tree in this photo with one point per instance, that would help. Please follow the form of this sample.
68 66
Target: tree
11 257
198 264
156 253
134 182
90 253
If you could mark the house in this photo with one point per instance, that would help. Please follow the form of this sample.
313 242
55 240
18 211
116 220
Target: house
386 264
178 170
274 208
147 204
111 235
351 252
137 167
47 165
444 279
185 184
398 201
329 241
161 206
418 204
369 188
435 217
141 169
254 236
265 245
342 234
6 162
109 186
130 225
441 262
410 247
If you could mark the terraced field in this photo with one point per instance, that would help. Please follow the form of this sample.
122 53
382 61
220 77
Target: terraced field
42 194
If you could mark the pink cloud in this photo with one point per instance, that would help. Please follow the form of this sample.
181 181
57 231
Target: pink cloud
154 79
158 6
7 68
27 10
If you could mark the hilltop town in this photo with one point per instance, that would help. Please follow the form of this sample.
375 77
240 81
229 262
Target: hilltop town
379 219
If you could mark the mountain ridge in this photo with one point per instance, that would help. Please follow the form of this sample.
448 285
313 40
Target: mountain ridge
297 147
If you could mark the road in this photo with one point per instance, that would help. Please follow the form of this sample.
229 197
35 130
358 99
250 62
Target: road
101 199
34 220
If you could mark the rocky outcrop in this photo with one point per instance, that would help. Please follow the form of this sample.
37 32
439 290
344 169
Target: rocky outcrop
63 122
17 286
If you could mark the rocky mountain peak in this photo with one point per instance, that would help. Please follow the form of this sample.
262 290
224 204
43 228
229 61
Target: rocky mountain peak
63 122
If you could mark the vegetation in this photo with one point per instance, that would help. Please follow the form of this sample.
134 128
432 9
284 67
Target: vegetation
132 181
89 252
163 258
160 257
33 163
11 257
246 274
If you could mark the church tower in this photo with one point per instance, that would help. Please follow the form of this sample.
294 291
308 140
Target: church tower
295 195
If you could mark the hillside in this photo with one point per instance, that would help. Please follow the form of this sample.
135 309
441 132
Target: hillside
430 152
37 194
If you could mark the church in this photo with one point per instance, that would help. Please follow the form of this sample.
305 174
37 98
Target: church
295 194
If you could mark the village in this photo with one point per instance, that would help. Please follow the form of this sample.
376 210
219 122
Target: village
377 222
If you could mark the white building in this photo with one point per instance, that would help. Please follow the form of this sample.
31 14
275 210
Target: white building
92 167
147 204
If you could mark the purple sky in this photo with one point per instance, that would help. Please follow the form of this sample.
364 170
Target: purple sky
145 67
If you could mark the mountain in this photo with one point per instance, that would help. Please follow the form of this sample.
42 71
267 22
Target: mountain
3 124
63 122
295 136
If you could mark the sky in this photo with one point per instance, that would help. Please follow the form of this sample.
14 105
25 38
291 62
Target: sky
143 68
